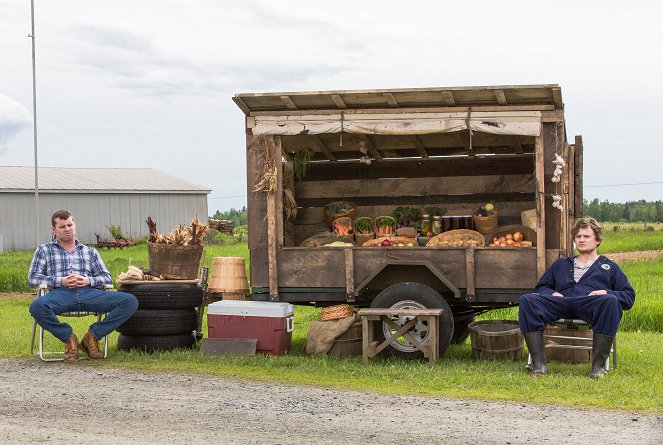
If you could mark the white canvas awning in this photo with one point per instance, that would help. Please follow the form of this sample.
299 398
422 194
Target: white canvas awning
519 123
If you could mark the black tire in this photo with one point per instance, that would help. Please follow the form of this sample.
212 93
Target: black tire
165 296
160 322
150 343
413 296
461 330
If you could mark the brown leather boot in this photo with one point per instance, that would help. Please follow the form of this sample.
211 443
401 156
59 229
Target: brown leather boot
71 349
90 345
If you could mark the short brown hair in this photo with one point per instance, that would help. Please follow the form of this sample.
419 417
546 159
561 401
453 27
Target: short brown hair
588 222
60 214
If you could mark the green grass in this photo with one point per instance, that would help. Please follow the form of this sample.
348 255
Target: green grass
636 385
630 240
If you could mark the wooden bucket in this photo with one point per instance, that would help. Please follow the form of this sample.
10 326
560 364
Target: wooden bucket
496 340
228 276
485 224
348 344
220 296
568 355
173 261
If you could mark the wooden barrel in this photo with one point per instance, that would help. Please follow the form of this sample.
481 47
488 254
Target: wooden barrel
173 261
496 340
348 344
228 276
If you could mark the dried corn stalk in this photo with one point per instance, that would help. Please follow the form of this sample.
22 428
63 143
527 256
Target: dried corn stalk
268 179
181 236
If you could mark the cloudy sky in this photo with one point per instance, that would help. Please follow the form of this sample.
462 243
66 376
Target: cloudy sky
149 83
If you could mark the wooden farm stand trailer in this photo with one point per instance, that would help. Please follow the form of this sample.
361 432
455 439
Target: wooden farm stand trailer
455 148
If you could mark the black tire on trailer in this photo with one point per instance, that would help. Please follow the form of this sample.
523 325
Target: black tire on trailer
150 343
461 330
160 322
413 296
165 296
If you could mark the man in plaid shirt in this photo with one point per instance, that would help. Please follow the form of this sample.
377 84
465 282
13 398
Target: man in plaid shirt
74 271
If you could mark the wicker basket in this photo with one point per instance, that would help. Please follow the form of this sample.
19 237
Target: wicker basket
385 220
361 238
330 217
528 234
336 312
452 238
485 224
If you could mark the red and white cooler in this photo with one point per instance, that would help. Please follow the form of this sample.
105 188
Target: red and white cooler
270 323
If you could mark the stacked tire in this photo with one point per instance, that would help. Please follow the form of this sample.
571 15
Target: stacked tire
166 317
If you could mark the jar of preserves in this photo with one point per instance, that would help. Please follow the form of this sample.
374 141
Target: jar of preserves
437 225
425 225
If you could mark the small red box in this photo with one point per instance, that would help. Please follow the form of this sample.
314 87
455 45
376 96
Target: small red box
270 323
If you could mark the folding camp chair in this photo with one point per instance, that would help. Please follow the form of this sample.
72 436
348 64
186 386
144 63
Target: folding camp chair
575 325
41 291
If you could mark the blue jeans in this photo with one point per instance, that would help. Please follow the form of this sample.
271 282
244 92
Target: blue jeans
118 306
602 312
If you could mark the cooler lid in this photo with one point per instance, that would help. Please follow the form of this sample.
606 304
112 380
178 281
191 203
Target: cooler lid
251 308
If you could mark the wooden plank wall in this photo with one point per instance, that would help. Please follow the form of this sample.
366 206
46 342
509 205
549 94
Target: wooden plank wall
458 184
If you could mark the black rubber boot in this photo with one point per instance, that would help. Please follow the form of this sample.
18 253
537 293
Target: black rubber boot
537 350
601 345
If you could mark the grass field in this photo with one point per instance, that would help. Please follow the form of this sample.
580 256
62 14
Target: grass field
637 385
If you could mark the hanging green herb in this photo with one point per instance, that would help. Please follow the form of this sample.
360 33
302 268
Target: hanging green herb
301 161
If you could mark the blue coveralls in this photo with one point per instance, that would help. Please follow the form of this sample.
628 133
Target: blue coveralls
602 312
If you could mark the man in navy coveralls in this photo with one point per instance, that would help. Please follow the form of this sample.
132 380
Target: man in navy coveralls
589 287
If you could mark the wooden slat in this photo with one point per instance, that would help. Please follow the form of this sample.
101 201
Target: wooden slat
557 98
448 98
338 100
448 109
471 292
516 146
349 272
578 150
391 100
453 185
421 168
415 200
322 147
570 178
553 142
501 97
242 106
541 225
289 102
420 147
372 149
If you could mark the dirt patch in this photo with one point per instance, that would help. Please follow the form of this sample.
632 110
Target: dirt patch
85 403
15 296
635 256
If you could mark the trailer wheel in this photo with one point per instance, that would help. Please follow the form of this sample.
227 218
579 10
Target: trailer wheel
413 296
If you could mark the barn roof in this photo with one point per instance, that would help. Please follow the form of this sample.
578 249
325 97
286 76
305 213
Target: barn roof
94 180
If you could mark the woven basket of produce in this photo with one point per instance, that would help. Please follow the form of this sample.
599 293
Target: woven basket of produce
338 209
385 225
336 312
515 235
391 241
457 238
485 224
364 230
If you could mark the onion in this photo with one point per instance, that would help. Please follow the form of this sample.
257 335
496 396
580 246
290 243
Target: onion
517 236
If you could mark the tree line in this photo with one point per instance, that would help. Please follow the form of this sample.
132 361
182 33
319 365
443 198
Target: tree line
631 211
238 217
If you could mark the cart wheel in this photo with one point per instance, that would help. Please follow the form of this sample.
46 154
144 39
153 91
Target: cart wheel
413 296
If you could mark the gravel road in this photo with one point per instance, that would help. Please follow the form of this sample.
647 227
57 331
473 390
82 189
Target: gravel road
70 404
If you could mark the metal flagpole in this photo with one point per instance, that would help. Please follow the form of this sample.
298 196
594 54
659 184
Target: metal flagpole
34 111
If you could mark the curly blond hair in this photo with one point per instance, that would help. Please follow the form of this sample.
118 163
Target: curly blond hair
588 222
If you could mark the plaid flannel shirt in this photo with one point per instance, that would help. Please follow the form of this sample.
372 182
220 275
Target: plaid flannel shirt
51 263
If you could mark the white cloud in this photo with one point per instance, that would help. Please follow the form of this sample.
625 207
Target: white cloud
14 117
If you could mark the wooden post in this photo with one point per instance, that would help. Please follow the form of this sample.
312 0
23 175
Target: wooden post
349 275
541 206
578 177
470 290
572 193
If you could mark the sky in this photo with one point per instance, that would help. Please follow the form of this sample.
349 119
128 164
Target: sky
150 83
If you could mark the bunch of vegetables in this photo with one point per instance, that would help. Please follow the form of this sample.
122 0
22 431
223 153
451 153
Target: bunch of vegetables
342 226
406 216
515 239
183 236
339 208
364 226
485 211
385 225
435 211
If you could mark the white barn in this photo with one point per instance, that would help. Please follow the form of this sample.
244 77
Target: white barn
97 197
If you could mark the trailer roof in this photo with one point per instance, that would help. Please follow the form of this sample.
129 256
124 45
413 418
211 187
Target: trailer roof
470 96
